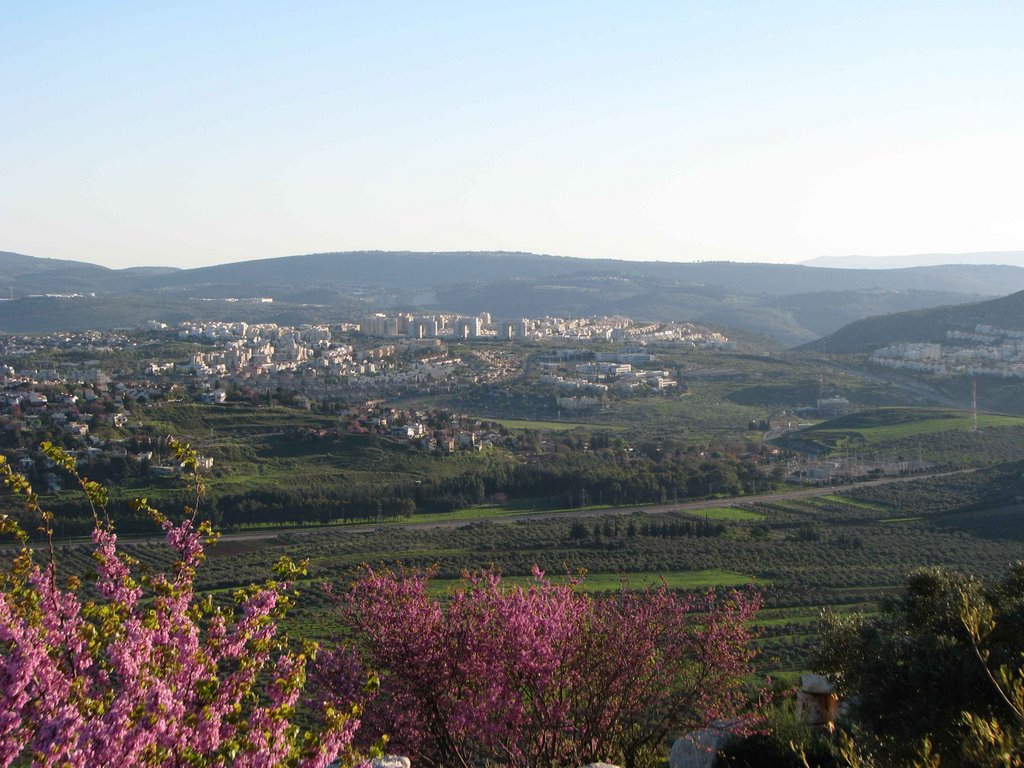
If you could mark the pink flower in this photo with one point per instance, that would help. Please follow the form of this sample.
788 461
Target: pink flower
147 676
541 675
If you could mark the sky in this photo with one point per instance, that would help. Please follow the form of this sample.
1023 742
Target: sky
193 133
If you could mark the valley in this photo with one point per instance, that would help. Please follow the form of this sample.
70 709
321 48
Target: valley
704 461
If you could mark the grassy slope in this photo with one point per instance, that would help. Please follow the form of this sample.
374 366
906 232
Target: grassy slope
939 435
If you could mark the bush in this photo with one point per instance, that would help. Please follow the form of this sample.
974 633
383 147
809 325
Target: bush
782 742
938 673
541 675
136 670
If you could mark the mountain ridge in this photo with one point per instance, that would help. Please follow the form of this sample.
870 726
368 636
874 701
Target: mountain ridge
792 303
404 268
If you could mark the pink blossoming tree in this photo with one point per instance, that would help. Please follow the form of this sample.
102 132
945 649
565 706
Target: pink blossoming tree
138 670
542 675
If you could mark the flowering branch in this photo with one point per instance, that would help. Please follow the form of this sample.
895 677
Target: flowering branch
147 673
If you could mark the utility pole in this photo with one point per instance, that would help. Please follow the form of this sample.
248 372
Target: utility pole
974 403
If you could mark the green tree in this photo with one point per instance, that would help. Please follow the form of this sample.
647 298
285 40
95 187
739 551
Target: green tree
938 672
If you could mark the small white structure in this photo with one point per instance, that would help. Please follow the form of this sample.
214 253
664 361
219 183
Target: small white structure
816 701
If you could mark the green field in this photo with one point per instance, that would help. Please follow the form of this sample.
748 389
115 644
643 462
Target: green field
488 511
727 513
705 579
852 502
612 582
890 424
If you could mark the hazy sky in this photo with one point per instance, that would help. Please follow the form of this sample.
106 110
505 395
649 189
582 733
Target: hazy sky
191 133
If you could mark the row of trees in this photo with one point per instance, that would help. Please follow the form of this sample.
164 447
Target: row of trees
666 529
557 480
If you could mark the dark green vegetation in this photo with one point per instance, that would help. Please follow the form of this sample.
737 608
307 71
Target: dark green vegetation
941 662
790 303
985 503
278 466
934 678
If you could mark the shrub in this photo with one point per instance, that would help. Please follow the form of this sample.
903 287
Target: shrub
938 673
137 670
541 675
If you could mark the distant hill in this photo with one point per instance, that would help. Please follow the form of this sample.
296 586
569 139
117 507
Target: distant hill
791 303
1010 258
24 275
148 271
19 263
402 270
791 319
45 314
922 325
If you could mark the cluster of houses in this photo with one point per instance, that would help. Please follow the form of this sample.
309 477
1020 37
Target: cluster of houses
454 326
413 357
77 397
89 422
428 430
985 351
585 385
89 342
29 409
306 360
623 377
673 336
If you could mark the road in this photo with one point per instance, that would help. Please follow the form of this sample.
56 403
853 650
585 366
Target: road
652 509
648 509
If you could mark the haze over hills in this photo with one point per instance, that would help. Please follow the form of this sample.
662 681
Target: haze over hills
417 270
790 303
1008 258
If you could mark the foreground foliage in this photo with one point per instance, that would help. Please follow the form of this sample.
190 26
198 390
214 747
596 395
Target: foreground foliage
135 669
938 676
538 676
